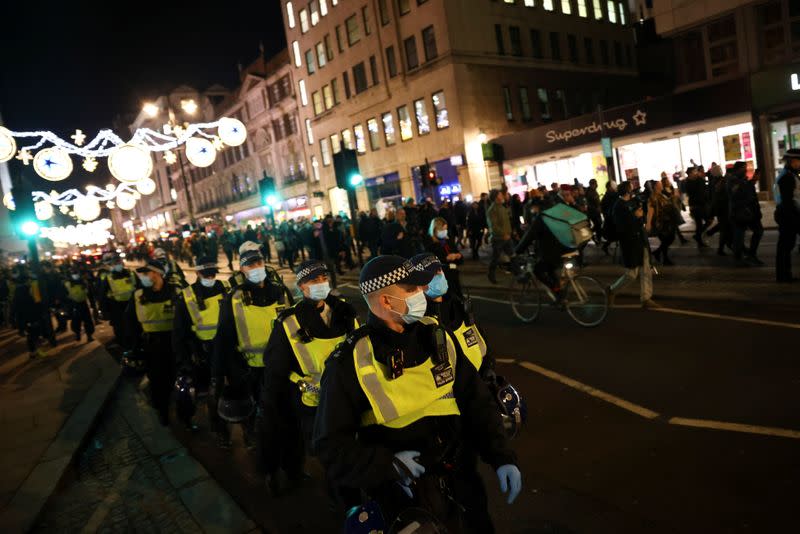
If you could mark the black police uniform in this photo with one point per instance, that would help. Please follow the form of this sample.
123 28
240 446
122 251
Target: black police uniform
114 310
80 310
287 422
787 215
29 311
362 457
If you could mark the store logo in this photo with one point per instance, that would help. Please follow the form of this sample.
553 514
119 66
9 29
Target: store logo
595 127
795 83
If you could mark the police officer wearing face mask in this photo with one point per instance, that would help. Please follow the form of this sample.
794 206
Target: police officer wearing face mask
79 297
174 272
303 338
149 316
116 289
196 318
402 410
246 320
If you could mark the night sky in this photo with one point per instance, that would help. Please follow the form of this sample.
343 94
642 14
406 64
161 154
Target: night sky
68 65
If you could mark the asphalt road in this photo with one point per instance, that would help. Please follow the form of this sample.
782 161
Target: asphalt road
612 459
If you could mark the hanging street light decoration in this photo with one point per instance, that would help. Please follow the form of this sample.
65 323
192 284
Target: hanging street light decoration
130 163
52 164
200 152
8 147
232 131
89 234
44 210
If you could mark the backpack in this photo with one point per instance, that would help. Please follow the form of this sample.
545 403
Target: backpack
570 226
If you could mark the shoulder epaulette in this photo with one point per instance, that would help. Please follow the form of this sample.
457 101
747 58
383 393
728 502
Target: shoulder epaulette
286 312
350 341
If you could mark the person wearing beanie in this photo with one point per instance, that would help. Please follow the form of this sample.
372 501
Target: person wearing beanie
246 320
303 338
174 272
195 325
115 291
149 319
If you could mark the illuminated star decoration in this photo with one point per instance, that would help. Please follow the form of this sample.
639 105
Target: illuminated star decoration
89 164
25 156
218 144
640 117
79 139
170 157
64 209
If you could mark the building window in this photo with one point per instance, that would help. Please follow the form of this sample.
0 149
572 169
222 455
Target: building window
429 42
525 104
303 20
383 12
498 37
529 3
336 145
360 78
611 9
582 11
421 114
544 104
303 95
410 45
536 44
572 45
323 7
617 53
588 48
309 133
373 70
298 59
622 17
321 55
327 96
404 121
507 103
339 42
314 8
391 61
547 5
722 47
365 18
346 80
353 33
328 47
561 102
374 134
515 40
310 62
604 51
566 8
388 129
290 15
404 6
347 139
598 9
440 110
325 150
315 168
555 46
316 100
361 144
773 38
335 91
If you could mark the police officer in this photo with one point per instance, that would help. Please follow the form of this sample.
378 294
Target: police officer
174 272
29 310
787 214
196 318
116 289
246 320
303 338
79 297
403 414
149 317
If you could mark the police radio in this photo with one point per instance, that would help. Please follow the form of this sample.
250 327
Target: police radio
440 342
468 312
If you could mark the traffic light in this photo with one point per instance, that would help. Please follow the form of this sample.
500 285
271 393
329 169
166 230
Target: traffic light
266 188
428 176
345 166
24 215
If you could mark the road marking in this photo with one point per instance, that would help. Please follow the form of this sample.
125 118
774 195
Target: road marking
735 427
594 392
111 499
795 326
487 299
505 360
348 284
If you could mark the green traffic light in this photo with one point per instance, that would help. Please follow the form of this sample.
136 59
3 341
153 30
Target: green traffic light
356 179
271 200
30 228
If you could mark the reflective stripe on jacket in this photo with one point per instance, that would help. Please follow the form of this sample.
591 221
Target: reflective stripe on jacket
204 322
154 316
253 327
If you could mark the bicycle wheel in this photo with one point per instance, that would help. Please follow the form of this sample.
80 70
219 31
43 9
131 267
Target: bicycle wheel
586 301
525 298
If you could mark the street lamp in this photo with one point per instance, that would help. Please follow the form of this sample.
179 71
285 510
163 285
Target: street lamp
189 106
150 109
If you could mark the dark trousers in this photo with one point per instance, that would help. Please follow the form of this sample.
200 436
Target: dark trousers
42 327
665 240
160 369
499 246
725 232
475 244
738 238
82 316
116 316
787 238
229 255
283 437
700 217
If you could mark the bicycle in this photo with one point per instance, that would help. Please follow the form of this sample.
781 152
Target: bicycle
584 298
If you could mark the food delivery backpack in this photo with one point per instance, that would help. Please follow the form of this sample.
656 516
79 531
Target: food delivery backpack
570 226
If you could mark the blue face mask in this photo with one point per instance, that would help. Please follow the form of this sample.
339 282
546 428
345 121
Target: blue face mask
117 268
319 291
417 305
441 234
208 282
257 275
437 287
146 281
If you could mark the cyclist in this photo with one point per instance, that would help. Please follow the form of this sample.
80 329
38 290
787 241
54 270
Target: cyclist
548 252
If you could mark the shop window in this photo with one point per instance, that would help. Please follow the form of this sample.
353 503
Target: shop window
303 96
303 20
544 104
311 63
374 134
373 69
498 37
404 121
536 43
325 151
410 46
290 15
421 114
336 145
347 139
309 132
440 110
588 48
389 134
346 81
383 12
555 46
361 144
316 100
360 78
328 47
566 7
404 6
604 52
507 103
353 32
391 61
582 11
327 96
572 45
322 57
429 42
525 104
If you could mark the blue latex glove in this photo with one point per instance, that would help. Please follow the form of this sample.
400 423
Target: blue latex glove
510 481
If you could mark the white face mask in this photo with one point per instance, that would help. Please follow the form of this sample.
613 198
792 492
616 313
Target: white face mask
417 305
117 268
76 277
319 291
146 281
441 234
257 275
208 282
